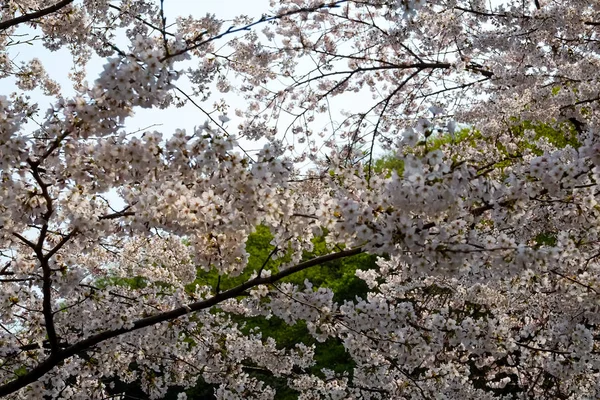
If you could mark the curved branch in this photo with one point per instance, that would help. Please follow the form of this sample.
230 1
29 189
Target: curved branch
264 19
56 358
34 15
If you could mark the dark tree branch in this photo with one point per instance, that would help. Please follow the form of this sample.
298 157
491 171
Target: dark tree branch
540 349
24 240
163 31
263 19
34 15
17 280
118 214
588 287
271 254
143 21
57 357
63 241
44 259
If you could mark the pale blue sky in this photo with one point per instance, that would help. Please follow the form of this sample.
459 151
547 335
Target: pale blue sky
59 63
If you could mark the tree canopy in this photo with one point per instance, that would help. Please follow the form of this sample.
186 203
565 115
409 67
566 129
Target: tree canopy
462 264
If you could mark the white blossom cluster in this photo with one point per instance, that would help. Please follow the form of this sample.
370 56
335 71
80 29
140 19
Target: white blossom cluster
487 280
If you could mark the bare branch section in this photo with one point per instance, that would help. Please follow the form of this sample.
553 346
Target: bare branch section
57 357
35 15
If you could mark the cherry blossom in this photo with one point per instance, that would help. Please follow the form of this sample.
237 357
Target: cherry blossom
486 228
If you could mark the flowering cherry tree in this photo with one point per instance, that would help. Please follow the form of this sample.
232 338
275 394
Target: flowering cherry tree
486 284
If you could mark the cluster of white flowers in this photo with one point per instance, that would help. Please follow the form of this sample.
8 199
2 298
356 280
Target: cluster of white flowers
487 279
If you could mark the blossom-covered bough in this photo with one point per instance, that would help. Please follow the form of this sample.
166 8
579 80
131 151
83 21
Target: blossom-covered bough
487 281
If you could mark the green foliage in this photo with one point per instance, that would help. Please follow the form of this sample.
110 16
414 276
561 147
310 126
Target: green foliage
559 135
546 239
259 248
20 371
339 275
435 142
389 163
136 282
